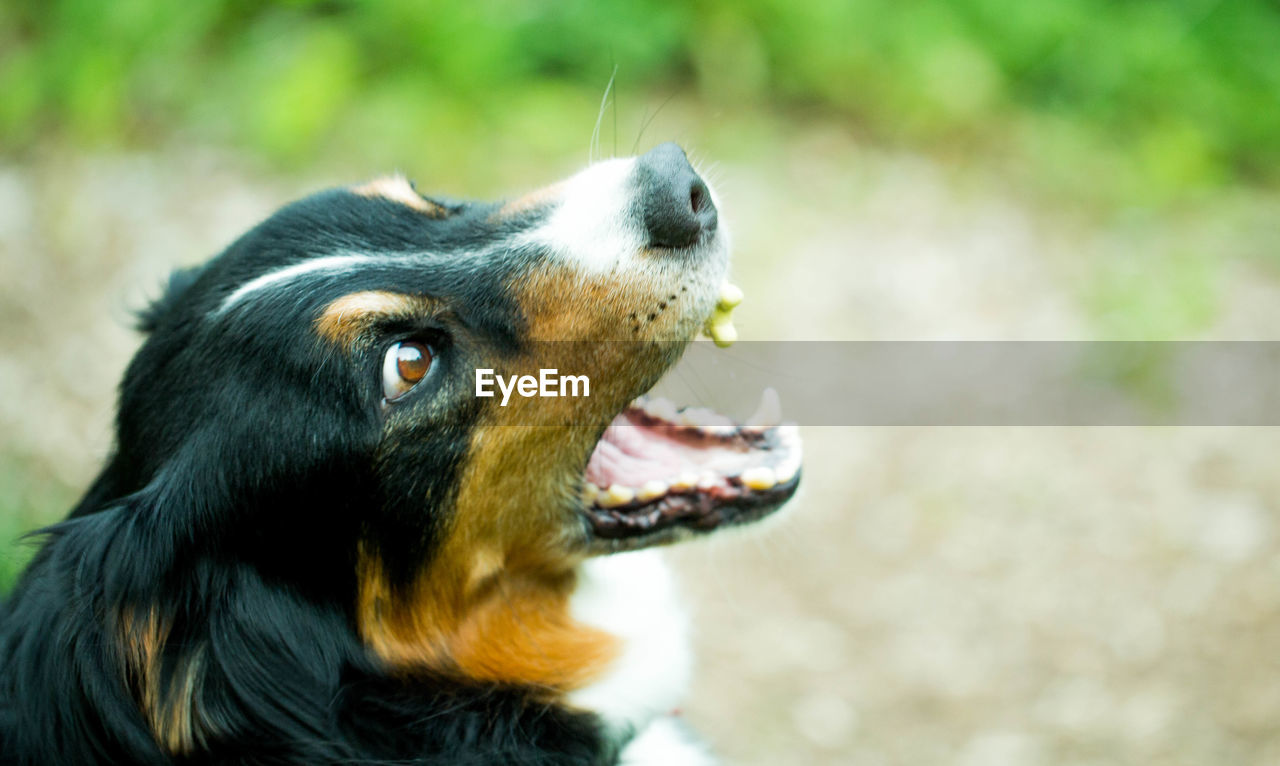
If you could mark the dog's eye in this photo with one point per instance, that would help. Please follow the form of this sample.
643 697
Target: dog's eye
404 366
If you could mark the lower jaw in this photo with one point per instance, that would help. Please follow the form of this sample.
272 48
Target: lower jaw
723 474
615 533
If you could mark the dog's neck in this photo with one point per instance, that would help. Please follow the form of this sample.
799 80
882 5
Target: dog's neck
610 637
482 617
633 596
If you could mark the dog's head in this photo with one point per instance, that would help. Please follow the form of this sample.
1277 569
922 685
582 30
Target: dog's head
309 400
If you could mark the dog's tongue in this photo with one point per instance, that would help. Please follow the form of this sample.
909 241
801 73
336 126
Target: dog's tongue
630 454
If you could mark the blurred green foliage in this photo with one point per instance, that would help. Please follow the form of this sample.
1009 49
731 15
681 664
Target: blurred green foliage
30 497
1140 101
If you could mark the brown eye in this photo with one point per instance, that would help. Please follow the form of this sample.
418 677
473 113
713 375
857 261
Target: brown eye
404 366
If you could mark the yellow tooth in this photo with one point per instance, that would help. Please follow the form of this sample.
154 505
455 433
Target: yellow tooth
615 496
652 490
760 477
589 493
685 481
662 408
730 296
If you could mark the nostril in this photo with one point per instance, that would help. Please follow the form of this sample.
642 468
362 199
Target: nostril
703 207
697 197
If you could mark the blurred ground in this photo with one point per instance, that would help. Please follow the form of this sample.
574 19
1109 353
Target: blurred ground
959 596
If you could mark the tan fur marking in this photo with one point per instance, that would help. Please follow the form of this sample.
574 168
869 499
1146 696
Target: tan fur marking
397 189
509 627
343 320
178 730
143 640
170 710
533 200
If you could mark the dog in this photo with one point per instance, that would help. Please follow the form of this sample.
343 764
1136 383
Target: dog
315 543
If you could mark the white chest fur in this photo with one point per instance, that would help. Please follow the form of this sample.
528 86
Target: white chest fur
633 596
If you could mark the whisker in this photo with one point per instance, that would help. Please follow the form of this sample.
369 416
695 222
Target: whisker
615 115
645 125
644 120
706 170
593 149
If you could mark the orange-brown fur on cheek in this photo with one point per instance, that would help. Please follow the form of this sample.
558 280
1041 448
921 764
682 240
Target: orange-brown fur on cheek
493 603
525 458
344 320
397 189
169 705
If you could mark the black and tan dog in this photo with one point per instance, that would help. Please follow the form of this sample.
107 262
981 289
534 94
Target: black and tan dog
315 543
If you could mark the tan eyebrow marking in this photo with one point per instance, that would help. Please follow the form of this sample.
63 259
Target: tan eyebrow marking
397 189
534 199
343 320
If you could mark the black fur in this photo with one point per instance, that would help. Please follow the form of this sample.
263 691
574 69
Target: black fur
250 458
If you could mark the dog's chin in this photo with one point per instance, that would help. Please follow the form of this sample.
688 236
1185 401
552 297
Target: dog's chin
659 475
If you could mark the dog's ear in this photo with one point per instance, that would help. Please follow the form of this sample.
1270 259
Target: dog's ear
286 494
121 550
93 574
179 281
111 601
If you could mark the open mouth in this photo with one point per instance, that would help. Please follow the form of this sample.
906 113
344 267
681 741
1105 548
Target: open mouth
658 470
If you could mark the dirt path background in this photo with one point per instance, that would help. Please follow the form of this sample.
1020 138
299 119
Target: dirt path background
972 596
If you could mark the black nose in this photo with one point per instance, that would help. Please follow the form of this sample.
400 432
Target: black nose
676 204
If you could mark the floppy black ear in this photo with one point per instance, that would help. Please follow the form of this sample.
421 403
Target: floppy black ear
271 484
130 632
128 542
93 573
122 551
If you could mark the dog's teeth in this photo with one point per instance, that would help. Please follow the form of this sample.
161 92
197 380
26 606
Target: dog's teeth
786 472
615 496
769 413
707 481
730 296
685 481
652 490
661 408
760 477
706 420
719 429
589 493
